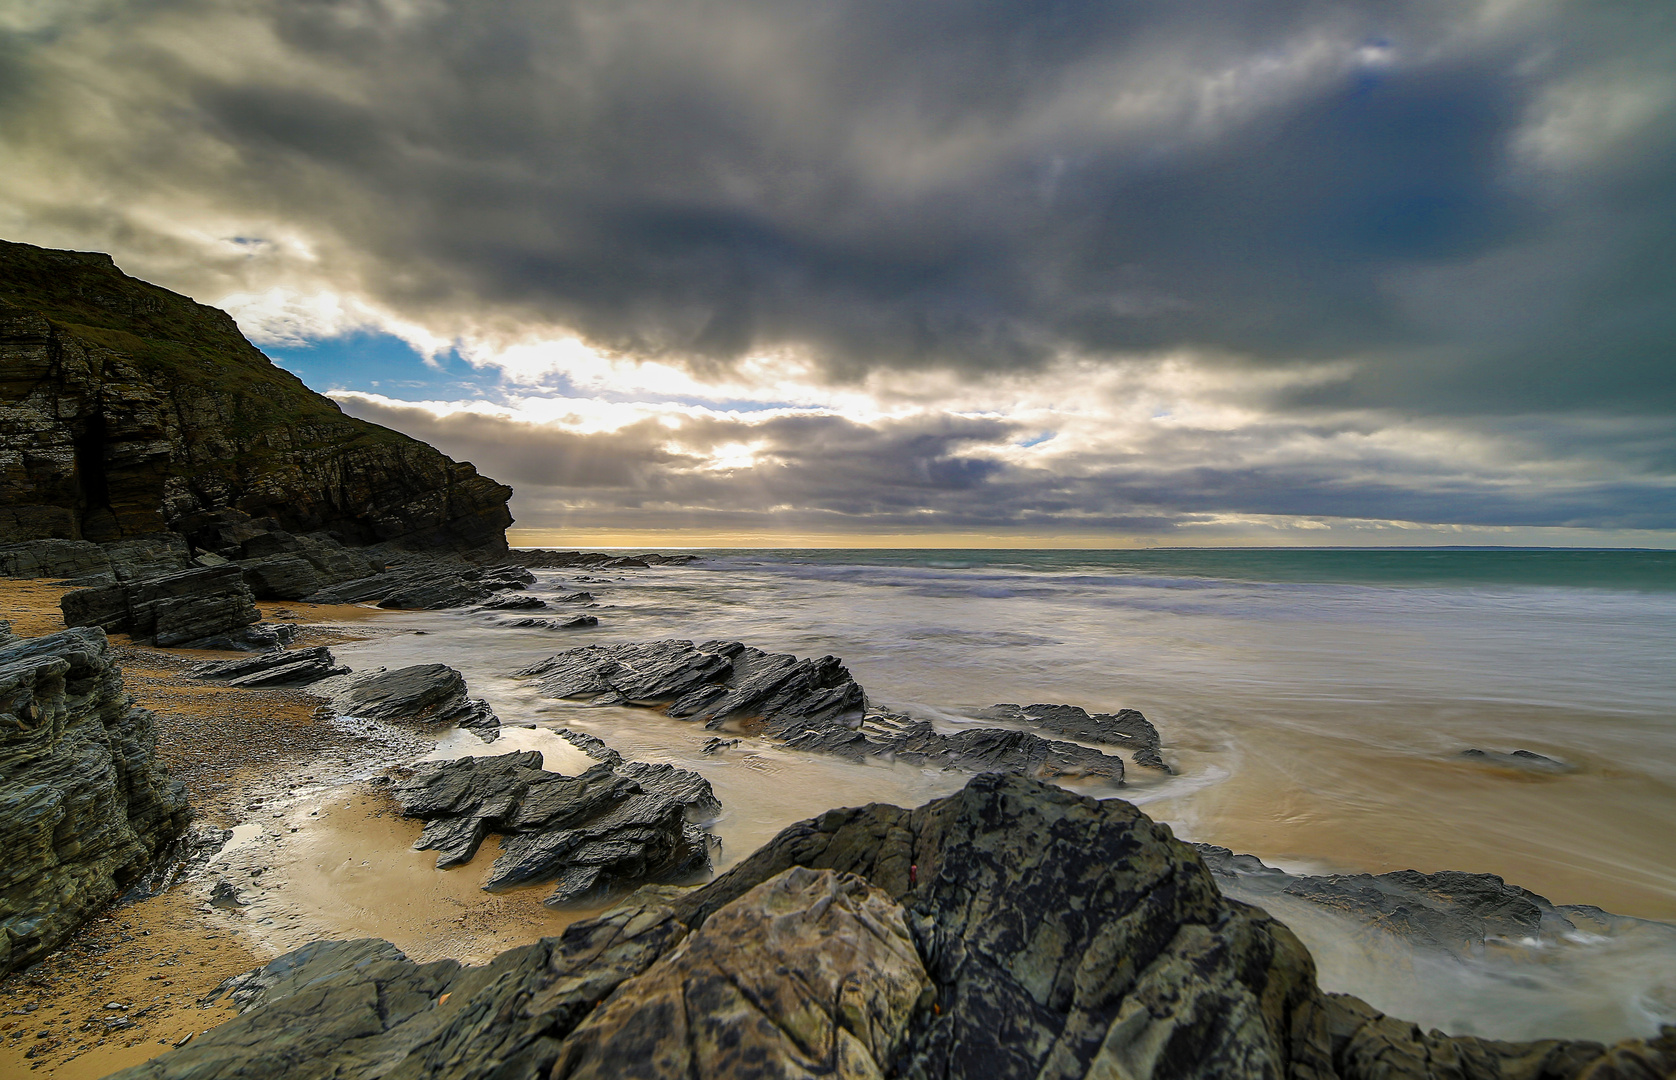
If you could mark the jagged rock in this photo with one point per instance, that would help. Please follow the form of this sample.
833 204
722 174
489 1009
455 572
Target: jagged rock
1523 760
575 622
982 750
423 694
257 637
613 827
576 598
425 584
513 603
130 410
226 896
1450 910
1126 727
1055 937
53 558
282 577
709 683
84 807
812 705
178 609
724 1002
435 592
591 745
715 745
296 668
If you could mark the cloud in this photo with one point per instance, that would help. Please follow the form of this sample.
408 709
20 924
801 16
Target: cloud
1380 227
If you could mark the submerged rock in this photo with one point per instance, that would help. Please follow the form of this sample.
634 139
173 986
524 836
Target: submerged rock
1010 930
420 695
1450 910
84 806
1523 760
513 603
574 622
616 826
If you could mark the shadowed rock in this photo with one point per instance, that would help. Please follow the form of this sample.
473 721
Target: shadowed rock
84 807
1052 936
176 610
616 826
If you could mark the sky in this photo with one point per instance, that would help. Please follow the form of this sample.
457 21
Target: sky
983 272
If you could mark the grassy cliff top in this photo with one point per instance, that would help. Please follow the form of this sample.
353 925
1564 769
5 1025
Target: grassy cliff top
170 336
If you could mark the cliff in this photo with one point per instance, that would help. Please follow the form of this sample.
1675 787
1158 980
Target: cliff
127 410
84 808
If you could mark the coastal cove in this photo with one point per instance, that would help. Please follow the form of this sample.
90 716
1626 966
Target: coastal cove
1291 712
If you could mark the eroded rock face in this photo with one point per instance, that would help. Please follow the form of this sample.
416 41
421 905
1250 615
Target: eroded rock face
1055 937
83 805
127 410
174 610
616 826
298 667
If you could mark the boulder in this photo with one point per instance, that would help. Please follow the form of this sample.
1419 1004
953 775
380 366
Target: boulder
84 806
1010 930
610 829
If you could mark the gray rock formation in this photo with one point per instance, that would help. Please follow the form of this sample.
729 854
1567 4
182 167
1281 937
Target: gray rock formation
298 667
127 410
573 622
426 584
1051 936
1451 911
614 827
548 559
813 705
1126 728
84 807
514 603
423 695
180 609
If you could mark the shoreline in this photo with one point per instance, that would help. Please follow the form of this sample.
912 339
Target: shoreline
330 843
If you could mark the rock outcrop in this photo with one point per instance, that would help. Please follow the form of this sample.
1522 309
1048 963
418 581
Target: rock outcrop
84 807
547 559
810 704
1010 930
422 695
127 410
1126 728
184 609
616 826
298 667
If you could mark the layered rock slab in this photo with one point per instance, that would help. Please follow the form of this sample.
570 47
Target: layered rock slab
420 695
812 704
84 806
1061 937
616 826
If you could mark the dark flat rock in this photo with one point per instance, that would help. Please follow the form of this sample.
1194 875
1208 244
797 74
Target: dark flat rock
1523 760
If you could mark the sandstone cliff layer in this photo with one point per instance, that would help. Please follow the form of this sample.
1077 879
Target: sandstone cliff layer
1010 930
127 410
84 807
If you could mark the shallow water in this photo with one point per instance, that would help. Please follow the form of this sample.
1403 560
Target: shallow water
1314 704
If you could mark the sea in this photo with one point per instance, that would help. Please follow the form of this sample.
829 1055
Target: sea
1314 705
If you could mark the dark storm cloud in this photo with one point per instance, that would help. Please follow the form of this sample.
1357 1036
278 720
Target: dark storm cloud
823 471
974 185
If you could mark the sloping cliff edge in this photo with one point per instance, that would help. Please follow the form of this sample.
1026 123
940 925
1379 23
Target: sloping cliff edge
1010 930
128 410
